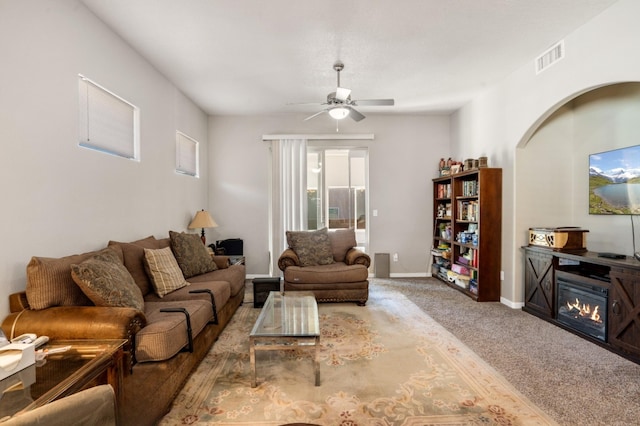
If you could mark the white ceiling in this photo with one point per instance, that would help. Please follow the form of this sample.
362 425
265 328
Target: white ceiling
241 57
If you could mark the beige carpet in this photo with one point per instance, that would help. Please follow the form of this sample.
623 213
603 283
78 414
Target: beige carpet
384 364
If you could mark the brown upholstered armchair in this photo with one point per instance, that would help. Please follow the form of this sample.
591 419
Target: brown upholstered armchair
327 264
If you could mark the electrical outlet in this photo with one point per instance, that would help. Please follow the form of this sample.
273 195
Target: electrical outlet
395 257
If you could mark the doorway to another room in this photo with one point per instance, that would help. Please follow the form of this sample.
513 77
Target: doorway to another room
337 190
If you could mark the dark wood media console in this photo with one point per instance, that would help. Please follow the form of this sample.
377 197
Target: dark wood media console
615 280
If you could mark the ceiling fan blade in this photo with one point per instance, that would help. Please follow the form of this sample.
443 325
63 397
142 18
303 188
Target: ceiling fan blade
374 102
315 115
355 114
342 93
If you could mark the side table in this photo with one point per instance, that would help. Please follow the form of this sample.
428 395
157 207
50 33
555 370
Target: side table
261 289
85 364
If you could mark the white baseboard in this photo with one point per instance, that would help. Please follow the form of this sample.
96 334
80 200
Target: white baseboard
504 301
512 305
409 275
394 275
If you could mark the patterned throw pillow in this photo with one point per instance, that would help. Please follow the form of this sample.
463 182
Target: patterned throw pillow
191 254
166 275
105 280
133 258
312 247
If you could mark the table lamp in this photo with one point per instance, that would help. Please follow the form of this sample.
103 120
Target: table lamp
202 219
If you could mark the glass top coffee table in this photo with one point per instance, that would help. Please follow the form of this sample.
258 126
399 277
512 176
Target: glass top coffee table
287 321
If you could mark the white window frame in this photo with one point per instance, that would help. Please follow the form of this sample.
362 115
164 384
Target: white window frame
107 122
187 155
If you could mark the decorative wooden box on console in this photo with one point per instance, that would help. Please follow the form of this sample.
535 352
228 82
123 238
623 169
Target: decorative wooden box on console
567 238
615 280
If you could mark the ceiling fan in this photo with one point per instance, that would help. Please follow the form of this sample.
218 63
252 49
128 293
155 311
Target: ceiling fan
340 105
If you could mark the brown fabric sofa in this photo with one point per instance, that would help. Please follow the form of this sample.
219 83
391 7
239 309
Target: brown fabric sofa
341 275
161 351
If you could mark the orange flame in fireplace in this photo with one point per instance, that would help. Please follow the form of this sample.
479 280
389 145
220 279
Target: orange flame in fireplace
584 310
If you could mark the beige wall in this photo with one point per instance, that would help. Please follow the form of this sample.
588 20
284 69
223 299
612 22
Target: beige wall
57 198
403 159
507 114
601 120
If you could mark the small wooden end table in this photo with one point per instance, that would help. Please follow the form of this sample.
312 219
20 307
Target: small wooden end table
86 363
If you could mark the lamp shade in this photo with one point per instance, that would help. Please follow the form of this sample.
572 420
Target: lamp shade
202 219
339 112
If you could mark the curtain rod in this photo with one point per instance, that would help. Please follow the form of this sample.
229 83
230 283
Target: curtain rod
328 136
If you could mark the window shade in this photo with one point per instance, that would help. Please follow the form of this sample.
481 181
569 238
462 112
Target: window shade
186 155
108 123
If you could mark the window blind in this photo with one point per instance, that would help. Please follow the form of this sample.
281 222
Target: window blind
187 154
108 123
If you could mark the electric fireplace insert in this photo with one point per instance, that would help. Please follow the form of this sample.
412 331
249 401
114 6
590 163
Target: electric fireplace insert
582 306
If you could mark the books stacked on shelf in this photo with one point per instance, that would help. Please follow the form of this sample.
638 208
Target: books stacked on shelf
473 286
461 280
468 210
442 263
469 188
470 258
443 190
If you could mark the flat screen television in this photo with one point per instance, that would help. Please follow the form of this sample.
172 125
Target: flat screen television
614 181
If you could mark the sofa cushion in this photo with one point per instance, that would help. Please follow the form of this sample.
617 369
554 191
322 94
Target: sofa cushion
166 332
341 241
312 247
234 275
49 282
133 255
166 275
338 272
221 293
191 254
105 280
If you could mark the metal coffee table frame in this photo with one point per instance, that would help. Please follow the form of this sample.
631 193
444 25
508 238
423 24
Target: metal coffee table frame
287 321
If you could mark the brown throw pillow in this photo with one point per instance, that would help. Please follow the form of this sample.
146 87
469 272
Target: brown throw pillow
312 247
49 282
105 280
133 254
191 254
341 241
164 271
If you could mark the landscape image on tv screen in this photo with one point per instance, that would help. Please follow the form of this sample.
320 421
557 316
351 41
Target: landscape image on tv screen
614 181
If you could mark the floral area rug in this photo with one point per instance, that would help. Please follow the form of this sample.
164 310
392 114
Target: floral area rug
387 363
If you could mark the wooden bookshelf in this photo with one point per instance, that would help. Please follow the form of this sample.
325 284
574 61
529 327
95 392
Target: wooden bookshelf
467 237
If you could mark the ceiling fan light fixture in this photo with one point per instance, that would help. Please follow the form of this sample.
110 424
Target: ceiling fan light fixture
339 112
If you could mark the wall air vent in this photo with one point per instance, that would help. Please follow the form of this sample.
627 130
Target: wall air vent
550 57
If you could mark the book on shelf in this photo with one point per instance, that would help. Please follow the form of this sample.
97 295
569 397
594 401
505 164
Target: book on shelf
469 188
468 210
443 190
469 257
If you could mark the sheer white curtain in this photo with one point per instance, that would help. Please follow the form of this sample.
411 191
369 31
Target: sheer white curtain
288 193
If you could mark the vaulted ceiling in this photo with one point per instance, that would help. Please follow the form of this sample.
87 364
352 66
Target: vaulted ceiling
242 57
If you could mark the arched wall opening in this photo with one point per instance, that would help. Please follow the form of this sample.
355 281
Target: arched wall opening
552 166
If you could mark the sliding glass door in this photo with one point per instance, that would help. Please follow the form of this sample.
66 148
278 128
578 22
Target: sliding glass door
337 195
